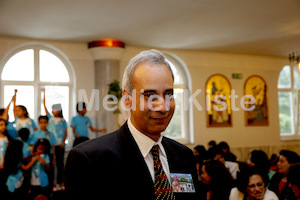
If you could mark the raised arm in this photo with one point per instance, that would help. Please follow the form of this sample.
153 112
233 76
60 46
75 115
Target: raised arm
14 100
5 113
44 101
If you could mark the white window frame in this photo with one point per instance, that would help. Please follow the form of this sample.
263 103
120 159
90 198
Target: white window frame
295 115
188 137
36 83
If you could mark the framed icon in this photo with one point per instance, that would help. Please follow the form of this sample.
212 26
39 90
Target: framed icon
256 93
218 103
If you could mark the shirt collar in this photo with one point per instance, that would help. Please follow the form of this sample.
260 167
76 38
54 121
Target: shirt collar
145 143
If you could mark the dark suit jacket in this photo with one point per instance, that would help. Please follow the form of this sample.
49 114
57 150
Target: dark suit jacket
112 167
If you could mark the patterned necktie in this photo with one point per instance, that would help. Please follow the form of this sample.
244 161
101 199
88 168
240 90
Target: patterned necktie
163 190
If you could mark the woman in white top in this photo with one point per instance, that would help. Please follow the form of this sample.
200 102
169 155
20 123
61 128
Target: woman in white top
251 185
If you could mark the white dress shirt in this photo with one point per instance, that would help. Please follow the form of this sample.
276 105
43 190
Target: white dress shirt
145 145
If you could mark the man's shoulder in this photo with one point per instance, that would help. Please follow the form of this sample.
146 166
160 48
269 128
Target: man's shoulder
176 145
106 142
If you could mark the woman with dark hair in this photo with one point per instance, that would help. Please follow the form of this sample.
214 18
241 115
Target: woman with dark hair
279 183
251 185
200 155
228 155
260 159
217 179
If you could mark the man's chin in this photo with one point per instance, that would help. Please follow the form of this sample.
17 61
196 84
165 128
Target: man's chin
157 130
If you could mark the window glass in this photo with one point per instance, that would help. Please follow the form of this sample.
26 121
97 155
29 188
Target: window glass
177 75
19 67
25 97
284 80
296 77
285 113
52 69
175 129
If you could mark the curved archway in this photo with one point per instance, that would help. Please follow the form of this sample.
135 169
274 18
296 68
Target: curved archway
32 68
181 125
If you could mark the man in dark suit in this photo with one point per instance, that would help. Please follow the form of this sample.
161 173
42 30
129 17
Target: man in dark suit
121 165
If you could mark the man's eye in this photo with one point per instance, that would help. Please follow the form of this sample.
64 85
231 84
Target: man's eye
169 94
148 95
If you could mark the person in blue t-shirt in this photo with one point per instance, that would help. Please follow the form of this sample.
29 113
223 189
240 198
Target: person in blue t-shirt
22 119
9 125
43 133
81 125
17 169
58 126
40 180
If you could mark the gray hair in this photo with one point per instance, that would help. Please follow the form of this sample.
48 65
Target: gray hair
152 56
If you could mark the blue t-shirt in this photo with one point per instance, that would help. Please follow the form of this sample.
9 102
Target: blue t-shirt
15 181
57 126
11 130
26 123
3 147
39 175
26 148
39 134
82 124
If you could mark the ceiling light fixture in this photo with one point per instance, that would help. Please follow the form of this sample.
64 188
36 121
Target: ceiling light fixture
295 56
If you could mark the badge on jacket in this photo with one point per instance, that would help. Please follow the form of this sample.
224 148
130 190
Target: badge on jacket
182 182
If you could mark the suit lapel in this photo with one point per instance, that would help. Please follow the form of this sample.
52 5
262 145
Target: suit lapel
174 160
136 166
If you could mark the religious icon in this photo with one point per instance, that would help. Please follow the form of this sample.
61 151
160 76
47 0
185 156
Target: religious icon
256 112
218 103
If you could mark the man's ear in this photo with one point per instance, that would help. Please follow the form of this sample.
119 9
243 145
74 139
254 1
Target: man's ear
127 99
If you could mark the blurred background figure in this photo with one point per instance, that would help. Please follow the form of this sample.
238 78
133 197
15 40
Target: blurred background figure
279 183
260 159
293 177
211 144
251 185
217 181
228 155
200 154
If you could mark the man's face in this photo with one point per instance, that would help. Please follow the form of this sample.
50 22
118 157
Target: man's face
256 187
153 105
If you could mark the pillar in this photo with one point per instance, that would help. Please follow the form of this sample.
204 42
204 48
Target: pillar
107 54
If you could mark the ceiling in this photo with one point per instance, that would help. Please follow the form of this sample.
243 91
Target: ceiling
260 27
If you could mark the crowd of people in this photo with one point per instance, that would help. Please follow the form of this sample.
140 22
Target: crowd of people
221 176
32 154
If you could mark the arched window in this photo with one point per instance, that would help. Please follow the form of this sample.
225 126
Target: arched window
181 125
289 102
31 68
